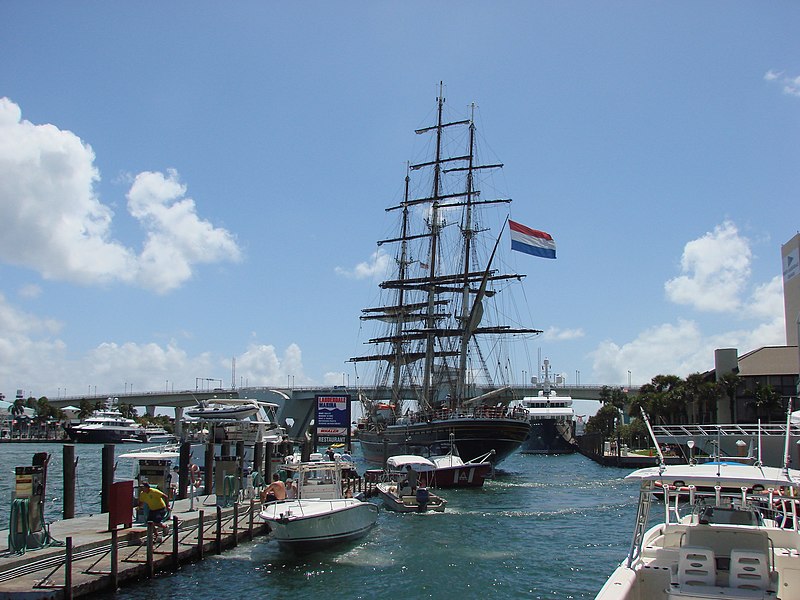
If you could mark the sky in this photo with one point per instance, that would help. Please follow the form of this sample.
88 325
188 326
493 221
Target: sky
191 192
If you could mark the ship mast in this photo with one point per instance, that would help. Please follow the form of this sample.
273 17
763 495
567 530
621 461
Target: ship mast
430 321
419 328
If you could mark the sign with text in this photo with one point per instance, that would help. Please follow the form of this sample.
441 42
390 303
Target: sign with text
332 420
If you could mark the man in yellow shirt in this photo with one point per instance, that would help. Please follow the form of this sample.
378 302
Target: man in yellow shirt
156 502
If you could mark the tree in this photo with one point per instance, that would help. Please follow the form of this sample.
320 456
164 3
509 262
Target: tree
127 410
729 383
765 401
85 408
604 421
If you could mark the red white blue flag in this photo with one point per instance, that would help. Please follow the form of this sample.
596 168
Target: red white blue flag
531 241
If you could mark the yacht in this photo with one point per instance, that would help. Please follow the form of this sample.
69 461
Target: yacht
552 420
106 427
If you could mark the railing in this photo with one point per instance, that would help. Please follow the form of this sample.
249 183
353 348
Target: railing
769 429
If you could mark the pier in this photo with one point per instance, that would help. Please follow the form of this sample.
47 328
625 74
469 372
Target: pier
86 556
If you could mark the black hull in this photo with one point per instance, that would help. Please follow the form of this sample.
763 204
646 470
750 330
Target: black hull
104 437
473 437
545 438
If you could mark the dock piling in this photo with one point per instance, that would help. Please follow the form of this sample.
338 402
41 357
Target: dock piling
114 559
68 469
201 528
107 476
68 570
219 529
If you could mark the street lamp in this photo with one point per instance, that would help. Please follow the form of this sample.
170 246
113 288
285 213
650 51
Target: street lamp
690 443
629 378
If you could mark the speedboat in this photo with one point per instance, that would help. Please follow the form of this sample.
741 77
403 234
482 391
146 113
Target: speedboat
106 427
452 472
728 530
323 514
405 489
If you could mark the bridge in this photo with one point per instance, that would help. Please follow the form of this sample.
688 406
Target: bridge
296 403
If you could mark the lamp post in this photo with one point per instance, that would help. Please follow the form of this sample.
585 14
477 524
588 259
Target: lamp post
690 443
629 379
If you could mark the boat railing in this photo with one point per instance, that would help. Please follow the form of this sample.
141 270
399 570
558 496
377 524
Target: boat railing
726 429
478 412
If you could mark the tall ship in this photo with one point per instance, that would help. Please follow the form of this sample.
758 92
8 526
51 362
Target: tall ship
441 359
552 420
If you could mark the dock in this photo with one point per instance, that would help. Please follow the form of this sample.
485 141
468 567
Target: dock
85 557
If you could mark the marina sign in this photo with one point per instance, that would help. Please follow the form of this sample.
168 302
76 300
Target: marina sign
331 420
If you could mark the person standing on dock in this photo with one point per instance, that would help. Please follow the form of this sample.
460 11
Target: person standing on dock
156 502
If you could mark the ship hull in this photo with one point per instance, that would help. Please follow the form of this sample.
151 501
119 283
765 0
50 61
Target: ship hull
545 438
100 436
473 437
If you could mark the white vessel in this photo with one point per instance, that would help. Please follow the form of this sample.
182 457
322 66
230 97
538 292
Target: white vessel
322 514
728 531
405 488
224 410
106 427
552 420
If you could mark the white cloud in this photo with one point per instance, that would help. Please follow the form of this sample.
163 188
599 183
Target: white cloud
715 269
555 334
30 291
791 85
716 278
52 221
177 238
376 267
260 365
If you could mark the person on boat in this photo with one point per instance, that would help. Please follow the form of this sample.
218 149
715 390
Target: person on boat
422 496
291 489
156 502
275 491
409 483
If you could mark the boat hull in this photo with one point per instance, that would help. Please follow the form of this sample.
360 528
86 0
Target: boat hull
407 504
308 525
545 438
468 475
101 436
473 437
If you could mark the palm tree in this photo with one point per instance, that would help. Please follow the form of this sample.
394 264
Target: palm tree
765 401
729 383
127 410
85 409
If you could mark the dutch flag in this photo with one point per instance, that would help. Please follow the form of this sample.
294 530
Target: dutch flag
531 241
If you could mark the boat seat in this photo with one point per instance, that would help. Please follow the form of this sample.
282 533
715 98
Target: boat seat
696 567
749 570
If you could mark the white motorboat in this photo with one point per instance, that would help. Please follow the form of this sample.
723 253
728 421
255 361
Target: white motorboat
322 514
728 531
223 409
405 488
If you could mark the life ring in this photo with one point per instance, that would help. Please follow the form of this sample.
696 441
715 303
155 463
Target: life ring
194 470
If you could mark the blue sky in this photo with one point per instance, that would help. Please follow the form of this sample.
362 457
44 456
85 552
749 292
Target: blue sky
185 183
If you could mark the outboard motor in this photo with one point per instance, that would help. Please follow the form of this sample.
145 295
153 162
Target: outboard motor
422 499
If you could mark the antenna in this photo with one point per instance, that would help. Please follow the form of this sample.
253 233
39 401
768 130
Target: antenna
661 464
786 458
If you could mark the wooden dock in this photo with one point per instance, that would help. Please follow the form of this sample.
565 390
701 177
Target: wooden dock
85 557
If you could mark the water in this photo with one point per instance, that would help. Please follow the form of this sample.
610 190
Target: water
545 527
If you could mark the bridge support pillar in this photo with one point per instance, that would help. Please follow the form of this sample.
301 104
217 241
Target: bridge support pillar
178 421
151 410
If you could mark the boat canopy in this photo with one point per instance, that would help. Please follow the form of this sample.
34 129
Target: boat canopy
418 463
724 474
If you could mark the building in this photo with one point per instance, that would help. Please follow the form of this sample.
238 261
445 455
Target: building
790 255
771 367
